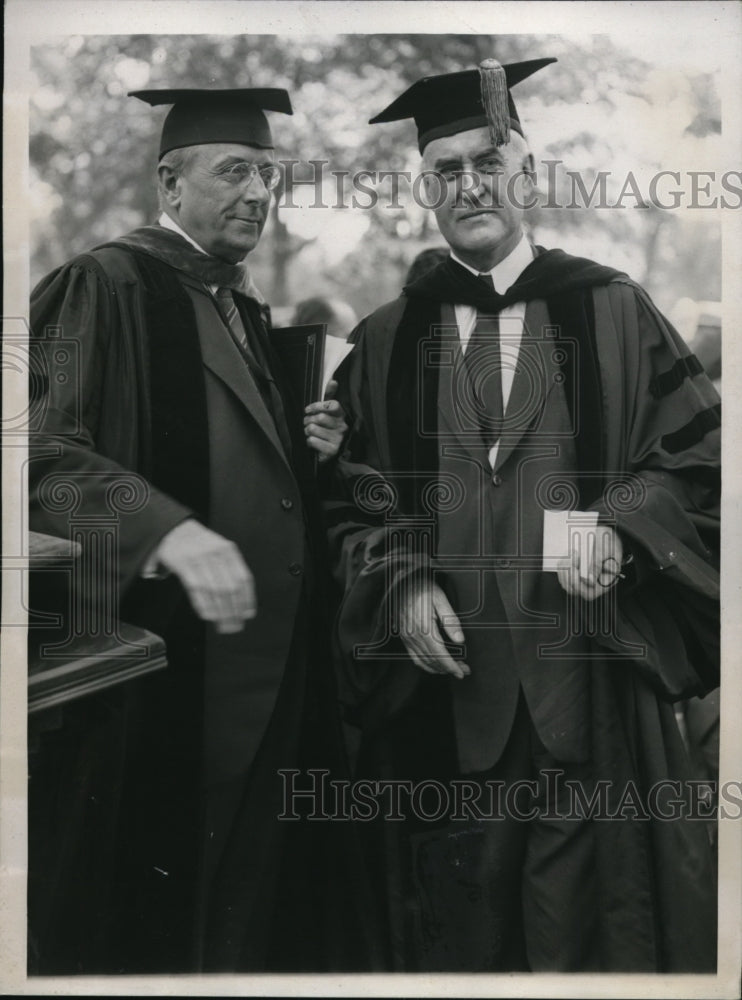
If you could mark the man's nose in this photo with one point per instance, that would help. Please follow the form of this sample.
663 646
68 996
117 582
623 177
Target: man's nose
255 190
472 186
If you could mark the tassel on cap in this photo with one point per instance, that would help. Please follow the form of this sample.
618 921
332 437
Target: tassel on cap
494 87
458 102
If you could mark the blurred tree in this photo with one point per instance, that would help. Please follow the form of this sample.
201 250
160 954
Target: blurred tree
93 151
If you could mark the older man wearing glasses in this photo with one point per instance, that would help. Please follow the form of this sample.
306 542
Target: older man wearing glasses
179 388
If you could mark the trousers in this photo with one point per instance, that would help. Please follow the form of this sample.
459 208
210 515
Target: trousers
503 877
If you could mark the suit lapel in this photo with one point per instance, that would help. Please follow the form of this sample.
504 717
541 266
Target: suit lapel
456 418
533 381
537 371
223 358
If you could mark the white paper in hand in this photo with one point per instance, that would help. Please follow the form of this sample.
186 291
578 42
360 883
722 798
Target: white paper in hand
336 351
566 531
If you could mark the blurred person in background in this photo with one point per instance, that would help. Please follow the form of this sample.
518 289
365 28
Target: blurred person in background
187 866
338 316
425 261
492 650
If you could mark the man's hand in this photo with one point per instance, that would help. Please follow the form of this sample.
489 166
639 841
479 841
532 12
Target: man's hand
324 424
219 585
594 566
424 610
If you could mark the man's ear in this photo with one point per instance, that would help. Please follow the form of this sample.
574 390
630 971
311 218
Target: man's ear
169 184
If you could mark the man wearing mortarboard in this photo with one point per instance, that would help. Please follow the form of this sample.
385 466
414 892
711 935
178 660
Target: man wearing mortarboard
179 386
526 527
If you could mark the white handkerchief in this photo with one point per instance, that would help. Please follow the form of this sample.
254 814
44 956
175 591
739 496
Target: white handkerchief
565 531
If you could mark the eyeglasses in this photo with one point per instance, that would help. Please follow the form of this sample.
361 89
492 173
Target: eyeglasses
240 173
610 571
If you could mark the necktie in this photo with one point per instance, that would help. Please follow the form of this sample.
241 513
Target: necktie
484 366
231 314
249 343
237 327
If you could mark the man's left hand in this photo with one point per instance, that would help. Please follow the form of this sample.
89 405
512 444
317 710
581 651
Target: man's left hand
594 566
324 424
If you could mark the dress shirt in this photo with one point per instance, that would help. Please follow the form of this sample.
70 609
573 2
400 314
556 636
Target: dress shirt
504 274
250 289
167 223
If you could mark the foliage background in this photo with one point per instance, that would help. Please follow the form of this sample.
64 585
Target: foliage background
606 105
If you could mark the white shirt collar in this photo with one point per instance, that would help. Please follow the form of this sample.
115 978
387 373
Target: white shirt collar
169 223
507 272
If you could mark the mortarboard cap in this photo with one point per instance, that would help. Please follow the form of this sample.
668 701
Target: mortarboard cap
456 102
205 116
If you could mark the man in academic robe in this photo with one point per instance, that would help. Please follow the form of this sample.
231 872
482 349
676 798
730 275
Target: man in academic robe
167 854
525 522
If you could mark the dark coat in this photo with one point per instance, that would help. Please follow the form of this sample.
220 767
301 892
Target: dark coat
628 427
198 869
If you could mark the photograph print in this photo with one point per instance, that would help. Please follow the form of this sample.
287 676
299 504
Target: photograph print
371 499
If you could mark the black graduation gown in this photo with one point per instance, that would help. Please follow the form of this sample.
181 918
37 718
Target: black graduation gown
161 391
645 451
